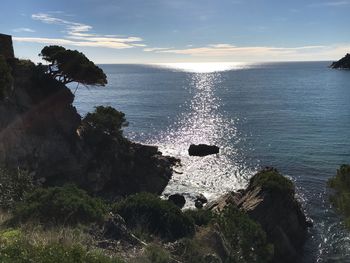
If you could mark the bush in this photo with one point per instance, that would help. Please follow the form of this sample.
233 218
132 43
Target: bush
341 196
156 216
272 181
13 185
60 205
21 251
103 125
156 254
5 78
244 238
201 217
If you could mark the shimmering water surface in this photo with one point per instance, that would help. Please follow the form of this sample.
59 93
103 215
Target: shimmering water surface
293 116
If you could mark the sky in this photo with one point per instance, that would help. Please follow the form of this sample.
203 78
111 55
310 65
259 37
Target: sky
165 31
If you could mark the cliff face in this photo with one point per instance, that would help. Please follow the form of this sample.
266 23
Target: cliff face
38 127
273 205
343 63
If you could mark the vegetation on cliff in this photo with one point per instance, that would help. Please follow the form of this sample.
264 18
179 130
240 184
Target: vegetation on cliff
72 66
340 198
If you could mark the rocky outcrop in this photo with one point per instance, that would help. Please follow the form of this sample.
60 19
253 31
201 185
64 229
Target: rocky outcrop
269 200
38 132
343 63
202 150
178 199
6 47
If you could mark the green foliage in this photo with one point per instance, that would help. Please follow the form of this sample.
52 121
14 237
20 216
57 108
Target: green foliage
60 205
157 216
5 78
201 217
21 251
103 125
13 185
272 181
72 66
244 238
341 197
191 251
156 254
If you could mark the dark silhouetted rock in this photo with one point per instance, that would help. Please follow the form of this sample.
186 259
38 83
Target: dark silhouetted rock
39 127
202 150
201 198
198 204
343 63
178 200
6 47
271 202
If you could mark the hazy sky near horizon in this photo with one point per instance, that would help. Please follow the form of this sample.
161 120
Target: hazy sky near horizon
155 31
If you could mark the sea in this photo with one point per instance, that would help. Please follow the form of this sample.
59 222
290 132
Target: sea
294 116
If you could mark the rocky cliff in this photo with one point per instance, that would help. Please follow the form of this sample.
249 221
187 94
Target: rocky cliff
270 201
38 125
343 63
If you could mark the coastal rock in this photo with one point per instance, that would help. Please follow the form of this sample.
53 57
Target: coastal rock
343 63
275 209
202 150
178 199
39 127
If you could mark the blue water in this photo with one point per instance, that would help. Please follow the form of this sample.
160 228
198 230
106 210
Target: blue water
293 116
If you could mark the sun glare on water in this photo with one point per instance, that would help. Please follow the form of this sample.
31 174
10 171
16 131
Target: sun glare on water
207 67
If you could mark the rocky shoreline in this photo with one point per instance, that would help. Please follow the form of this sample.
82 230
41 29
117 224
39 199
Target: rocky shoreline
43 135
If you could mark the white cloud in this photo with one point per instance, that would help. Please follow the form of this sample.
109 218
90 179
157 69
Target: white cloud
331 3
79 34
153 49
23 29
228 52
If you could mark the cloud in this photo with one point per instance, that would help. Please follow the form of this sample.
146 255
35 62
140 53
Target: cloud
230 52
152 49
330 3
80 34
23 29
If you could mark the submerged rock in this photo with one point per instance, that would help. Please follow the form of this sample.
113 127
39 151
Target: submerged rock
343 63
270 201
202 150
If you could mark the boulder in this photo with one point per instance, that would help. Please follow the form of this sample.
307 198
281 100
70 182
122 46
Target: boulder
202 150
178 199
270 201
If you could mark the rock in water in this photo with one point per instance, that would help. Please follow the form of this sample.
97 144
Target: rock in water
202 150
178 200
270 201
343 63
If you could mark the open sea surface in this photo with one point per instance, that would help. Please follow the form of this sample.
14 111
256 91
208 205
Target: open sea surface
293 116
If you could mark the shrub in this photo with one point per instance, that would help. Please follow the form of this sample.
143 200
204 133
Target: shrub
157 216
5 78
272 181
156 254
13 185
103 125
201 217
24 252
60 205
341 196
244 238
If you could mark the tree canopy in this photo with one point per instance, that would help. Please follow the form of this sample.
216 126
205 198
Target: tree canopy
67 66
